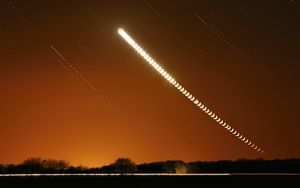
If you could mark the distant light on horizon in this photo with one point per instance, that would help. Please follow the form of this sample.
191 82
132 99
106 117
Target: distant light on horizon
188 95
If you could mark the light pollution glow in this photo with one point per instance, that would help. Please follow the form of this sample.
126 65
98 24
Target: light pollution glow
188 95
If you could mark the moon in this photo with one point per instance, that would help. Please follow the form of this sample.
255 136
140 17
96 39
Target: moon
169 78
148 59
255 147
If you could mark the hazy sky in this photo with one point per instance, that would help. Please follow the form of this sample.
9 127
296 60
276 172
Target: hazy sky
241 60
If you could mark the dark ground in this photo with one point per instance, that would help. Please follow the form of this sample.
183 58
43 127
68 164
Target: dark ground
150 181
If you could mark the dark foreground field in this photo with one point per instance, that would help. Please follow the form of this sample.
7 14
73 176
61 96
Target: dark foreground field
149 181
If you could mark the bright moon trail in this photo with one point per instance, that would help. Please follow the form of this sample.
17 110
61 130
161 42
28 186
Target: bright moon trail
188 95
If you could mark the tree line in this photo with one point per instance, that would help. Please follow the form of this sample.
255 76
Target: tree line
127 166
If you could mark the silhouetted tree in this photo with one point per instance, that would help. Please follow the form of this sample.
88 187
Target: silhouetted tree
43 165
124 166
32 165
51 165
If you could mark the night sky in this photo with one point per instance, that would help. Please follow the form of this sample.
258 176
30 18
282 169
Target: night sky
72 89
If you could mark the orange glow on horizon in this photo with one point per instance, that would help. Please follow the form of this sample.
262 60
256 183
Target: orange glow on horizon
57 58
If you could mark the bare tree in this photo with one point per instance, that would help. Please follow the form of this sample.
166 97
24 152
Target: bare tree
124 166
55 165
33 165
44 165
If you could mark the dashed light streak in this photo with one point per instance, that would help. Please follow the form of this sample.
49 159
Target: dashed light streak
221 36
70 67
179 87
173 30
